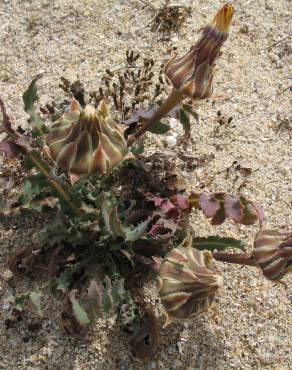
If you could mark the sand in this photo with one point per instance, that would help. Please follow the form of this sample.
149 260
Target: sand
251 325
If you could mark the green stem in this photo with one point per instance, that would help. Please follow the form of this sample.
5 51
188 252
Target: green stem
55 184
173 99
238 258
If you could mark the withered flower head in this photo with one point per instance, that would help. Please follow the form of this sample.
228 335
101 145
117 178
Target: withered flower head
192 74
87 140
273 253
188 283
223 18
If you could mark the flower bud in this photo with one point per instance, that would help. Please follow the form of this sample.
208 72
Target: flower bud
192 74
87 140
273 253
188 283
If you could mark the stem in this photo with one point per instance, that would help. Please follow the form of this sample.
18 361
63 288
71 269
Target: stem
55 184
238 258
173 99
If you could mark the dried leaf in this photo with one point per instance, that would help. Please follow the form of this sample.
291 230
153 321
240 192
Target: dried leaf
16 259
146 338
10 148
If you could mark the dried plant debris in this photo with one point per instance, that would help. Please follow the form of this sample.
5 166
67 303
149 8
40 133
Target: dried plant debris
168 18
223 125
145 339
129 86
76 89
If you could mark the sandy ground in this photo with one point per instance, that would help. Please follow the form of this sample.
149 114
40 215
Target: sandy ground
251 327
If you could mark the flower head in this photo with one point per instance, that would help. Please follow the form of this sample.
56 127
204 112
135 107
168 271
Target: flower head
188 283
223 18
192 74
273 253
87 140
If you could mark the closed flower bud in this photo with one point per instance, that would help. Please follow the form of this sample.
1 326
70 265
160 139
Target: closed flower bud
188 283
273 253
87 140
192 74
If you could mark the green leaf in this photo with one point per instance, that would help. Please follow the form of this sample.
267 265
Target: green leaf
69 202
19 301
35 297
216 242
79 312
159 128
29 98
111 218
133 234
184 119
137 148
191 110
33 186
63 282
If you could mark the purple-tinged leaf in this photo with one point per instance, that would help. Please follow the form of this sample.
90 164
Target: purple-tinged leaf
181 201
209 205
219 206
220 215
250 215
7 125
163 229
10 148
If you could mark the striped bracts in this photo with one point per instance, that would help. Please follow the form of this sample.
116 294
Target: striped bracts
273 253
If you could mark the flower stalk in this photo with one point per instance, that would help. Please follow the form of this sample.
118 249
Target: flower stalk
192 74
272 254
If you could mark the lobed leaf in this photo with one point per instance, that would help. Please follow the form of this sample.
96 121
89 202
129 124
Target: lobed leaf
100 301
219 206
29 98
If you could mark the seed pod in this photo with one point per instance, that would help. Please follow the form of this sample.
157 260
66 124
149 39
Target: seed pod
87 140
188 282
192 74
273 253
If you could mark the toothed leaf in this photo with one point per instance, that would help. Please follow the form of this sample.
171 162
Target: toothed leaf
29 98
